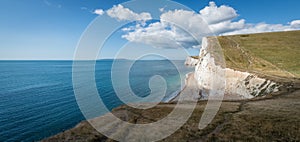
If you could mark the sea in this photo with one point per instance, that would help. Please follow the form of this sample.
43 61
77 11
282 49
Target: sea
37 98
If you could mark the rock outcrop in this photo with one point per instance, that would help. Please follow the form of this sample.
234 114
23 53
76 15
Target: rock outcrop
190 61
211 74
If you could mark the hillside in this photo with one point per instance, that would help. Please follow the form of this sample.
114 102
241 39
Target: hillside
275 54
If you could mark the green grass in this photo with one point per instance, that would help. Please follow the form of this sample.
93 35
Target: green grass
276 53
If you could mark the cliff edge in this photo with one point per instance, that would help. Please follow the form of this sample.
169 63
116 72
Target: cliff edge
259 76
246 66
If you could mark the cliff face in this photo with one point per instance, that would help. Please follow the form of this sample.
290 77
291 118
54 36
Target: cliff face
211 73
190 61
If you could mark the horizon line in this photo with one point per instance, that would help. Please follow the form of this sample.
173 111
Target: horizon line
81 60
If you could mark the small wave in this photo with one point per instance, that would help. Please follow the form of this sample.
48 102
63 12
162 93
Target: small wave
33 86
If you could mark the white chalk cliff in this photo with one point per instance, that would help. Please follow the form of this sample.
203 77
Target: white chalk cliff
213 78
190 61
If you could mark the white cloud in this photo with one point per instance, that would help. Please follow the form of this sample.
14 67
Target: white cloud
227 26
121 13
99 11
260 28
214 14
160 36
188 20
295 24
162 9
182 28
176 29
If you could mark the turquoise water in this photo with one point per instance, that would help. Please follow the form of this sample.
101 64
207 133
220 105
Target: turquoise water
37 98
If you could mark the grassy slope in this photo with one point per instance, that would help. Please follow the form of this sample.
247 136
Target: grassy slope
276 54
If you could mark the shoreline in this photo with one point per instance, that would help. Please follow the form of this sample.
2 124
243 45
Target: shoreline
172 96
168 100
177 93
190 91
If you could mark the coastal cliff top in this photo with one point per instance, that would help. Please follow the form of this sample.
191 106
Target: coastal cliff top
269 118
272 54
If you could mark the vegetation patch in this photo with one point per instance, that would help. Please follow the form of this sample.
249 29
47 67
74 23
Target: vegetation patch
275 54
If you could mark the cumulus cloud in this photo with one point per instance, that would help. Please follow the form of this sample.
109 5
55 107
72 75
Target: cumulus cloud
176 29
182 28
187 20
262 27
121 13
160 36
227 26
295 24
214 14
99 11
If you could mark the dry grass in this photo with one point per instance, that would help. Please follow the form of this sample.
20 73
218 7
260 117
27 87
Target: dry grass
195 57
270 53
264 119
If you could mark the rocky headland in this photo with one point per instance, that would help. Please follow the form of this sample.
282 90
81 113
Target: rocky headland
259 80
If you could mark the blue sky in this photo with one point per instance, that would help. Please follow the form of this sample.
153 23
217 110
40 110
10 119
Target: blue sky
51 29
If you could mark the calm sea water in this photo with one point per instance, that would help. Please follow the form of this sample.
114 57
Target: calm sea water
37 98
